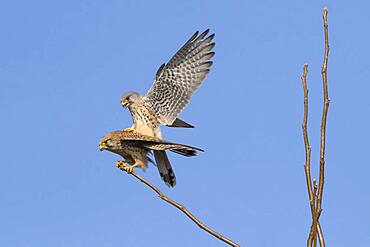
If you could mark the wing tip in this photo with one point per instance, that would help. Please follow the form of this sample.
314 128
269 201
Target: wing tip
212 36
205 32
202 36
194 36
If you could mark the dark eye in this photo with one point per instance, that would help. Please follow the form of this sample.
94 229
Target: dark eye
127 98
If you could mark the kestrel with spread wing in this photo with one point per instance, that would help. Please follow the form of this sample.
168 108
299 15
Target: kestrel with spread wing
135 148
173 87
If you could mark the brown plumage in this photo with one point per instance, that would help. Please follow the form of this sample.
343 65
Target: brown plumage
135 149
172 89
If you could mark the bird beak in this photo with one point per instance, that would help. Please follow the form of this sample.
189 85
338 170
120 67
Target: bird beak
124 102
102 146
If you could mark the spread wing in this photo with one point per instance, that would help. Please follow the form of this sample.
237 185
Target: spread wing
177 80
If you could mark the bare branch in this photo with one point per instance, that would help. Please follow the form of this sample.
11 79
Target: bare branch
307 166
315 192
180 207
321 236
314 216
324 114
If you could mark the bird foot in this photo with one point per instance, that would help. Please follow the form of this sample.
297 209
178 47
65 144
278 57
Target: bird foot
120 164
129 130
129 169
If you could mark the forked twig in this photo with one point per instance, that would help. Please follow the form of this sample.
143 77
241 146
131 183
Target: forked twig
315 192
307 167
181 207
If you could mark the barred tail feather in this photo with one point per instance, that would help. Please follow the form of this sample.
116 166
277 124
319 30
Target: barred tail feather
174 147
164 167
185 150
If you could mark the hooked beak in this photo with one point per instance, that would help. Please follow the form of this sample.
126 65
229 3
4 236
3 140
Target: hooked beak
124 102
102 146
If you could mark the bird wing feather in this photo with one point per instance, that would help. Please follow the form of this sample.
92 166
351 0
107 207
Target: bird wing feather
177 80
153 143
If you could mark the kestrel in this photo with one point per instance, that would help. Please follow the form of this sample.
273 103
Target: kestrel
173 87
135 148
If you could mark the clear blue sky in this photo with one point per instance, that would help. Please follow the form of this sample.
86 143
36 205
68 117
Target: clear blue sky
64 65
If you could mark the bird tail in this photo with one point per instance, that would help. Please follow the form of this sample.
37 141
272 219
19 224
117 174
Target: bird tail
164 168
174 147
185 150
180 124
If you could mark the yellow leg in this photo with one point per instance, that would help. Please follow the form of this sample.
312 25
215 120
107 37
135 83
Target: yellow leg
122 165
129 129
129 169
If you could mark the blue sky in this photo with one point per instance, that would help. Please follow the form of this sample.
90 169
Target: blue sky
64 65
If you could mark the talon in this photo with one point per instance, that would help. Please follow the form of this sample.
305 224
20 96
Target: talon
129 130
120 163
129 169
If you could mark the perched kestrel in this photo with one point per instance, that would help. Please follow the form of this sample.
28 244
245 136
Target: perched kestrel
173 87
135 148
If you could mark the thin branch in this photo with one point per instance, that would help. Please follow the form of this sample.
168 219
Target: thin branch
320 189
307 166
320 234
324 114
316 197
180 207
315 192
315 217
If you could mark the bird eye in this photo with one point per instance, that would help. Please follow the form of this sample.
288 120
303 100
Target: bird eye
127 98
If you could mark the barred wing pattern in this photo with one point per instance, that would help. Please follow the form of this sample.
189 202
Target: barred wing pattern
174 147
177 80
153 143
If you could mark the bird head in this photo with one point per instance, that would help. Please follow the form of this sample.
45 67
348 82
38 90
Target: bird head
130 98
111 141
